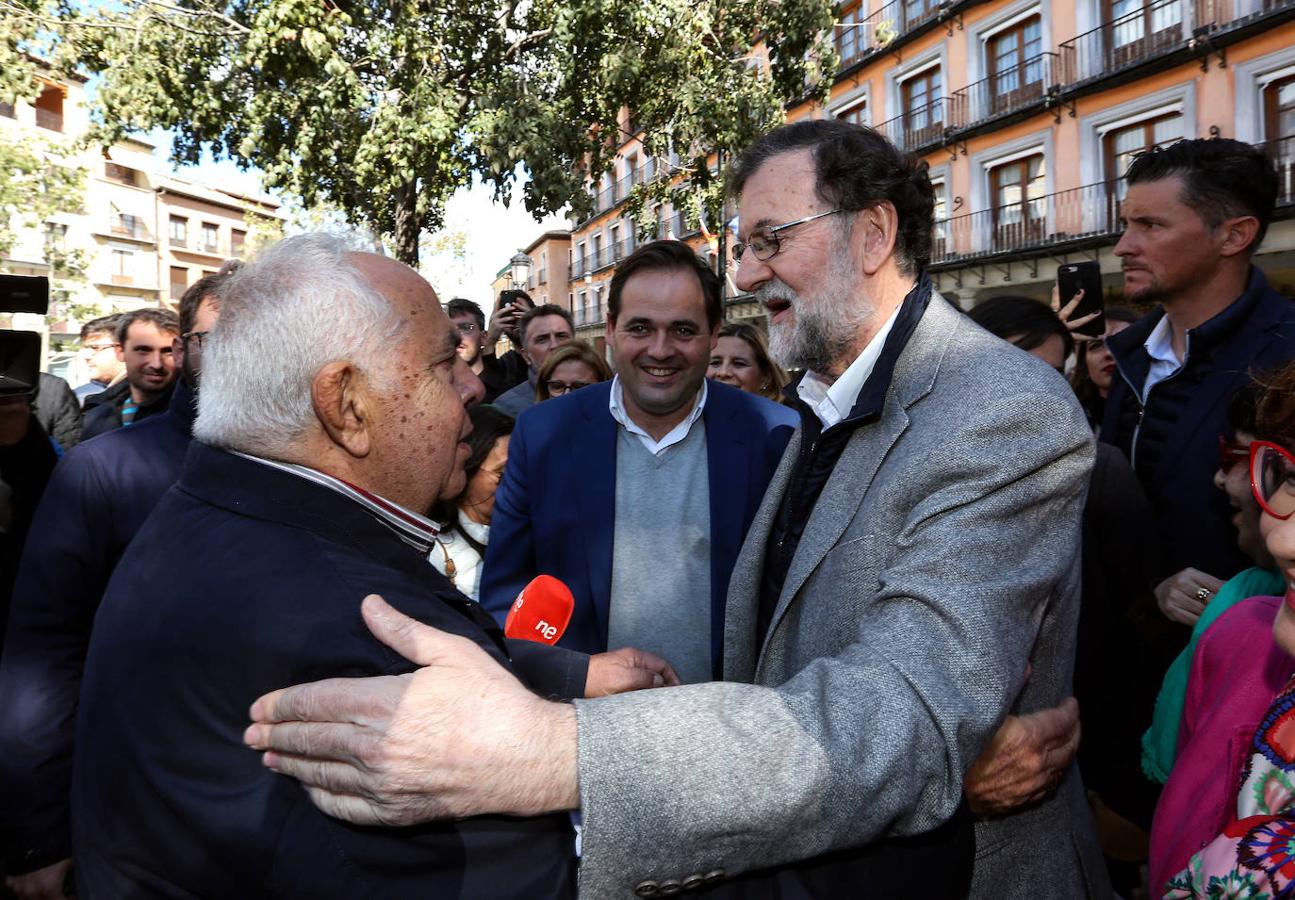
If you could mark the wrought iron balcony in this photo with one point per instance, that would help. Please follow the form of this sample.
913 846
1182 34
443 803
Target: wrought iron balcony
1003 92
1091 211
882 28
918 129
1282 152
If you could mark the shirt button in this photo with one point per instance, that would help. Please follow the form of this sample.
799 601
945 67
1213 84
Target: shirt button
647 889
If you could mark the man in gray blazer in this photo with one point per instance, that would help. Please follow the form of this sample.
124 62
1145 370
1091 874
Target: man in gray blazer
911 578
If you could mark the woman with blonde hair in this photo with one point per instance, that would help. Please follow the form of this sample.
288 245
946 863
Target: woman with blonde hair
569 367
741 358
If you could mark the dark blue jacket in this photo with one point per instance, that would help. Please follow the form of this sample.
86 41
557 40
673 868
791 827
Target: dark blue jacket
98 497
105 415
246 579
1173 442
555 507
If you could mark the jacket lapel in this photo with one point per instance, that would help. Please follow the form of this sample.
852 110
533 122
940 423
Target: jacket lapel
852 476
741 616
595 448
728 466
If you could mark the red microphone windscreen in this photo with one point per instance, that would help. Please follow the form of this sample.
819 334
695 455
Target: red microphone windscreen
541 611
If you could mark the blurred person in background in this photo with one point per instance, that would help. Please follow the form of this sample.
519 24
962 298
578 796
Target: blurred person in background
1226 820
99 353
1091 377
56 408
470 321
568 368
144 338
1028 324
97 499
502 372
465 520
539 330
741 358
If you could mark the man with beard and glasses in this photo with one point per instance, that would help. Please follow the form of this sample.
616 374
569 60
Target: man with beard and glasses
910 579
1193 218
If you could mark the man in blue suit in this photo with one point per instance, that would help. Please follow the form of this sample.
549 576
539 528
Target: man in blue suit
637 493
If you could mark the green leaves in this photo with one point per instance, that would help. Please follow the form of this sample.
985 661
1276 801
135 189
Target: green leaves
382 110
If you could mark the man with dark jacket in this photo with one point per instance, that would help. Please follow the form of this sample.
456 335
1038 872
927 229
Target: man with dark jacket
303 490
97 500
1195 214
144 339
57 409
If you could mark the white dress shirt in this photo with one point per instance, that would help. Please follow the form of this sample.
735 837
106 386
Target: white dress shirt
616 405
833 402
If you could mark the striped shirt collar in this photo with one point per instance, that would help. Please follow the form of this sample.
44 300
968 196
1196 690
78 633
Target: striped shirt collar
417 531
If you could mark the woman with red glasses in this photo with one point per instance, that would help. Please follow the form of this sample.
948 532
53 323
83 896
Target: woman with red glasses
1225 825
1160 743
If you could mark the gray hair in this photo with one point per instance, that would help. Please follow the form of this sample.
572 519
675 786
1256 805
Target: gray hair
300 305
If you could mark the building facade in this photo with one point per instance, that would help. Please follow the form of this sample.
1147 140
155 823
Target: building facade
1027 113
142 235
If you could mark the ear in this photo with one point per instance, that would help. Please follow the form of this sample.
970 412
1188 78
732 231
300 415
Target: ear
714 336
177 350
1238 235
120 350
611 332
342 407
880 227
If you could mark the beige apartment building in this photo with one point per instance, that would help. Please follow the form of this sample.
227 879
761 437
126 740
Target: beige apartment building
1027 113
550 275
126 228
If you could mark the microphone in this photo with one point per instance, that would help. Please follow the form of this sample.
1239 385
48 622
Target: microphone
541 611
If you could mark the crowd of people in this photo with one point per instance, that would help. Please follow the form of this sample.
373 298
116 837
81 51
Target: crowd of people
888 600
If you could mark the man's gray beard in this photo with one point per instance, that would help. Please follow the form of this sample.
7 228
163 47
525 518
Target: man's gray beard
825 329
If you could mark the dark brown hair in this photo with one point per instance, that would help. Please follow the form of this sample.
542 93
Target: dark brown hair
1275 414
667 255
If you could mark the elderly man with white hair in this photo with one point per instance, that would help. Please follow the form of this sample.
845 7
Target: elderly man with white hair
332 415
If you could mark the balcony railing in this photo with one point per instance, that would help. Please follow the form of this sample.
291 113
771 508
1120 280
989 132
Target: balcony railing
619 190
882 27
1049 220
47 118
1003 92
918 128
1028 224
131 227
1282 152
1154 30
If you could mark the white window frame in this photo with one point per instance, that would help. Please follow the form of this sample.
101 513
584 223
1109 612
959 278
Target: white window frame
1251 77
990 27
861 96
1093 128
936 56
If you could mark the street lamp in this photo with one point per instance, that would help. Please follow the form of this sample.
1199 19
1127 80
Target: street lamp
521 266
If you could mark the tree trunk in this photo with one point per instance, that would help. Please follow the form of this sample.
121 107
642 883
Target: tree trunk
407 223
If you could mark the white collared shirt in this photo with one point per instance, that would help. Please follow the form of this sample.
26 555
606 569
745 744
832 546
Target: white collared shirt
1164 362
616 406
833 402
415 530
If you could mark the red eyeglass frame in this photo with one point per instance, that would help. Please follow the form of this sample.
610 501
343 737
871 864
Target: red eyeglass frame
1255 447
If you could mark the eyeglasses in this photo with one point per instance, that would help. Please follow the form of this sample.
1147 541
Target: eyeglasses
198 336
1272 478
558 388
1231 453
764 242
95 348
466 327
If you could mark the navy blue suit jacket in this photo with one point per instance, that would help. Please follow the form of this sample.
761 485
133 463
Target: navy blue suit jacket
1193 517
246 579
98 497
555 507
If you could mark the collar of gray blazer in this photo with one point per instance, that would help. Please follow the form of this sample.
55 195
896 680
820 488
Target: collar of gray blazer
867 406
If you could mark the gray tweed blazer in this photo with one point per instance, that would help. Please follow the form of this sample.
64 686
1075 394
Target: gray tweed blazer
940 559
